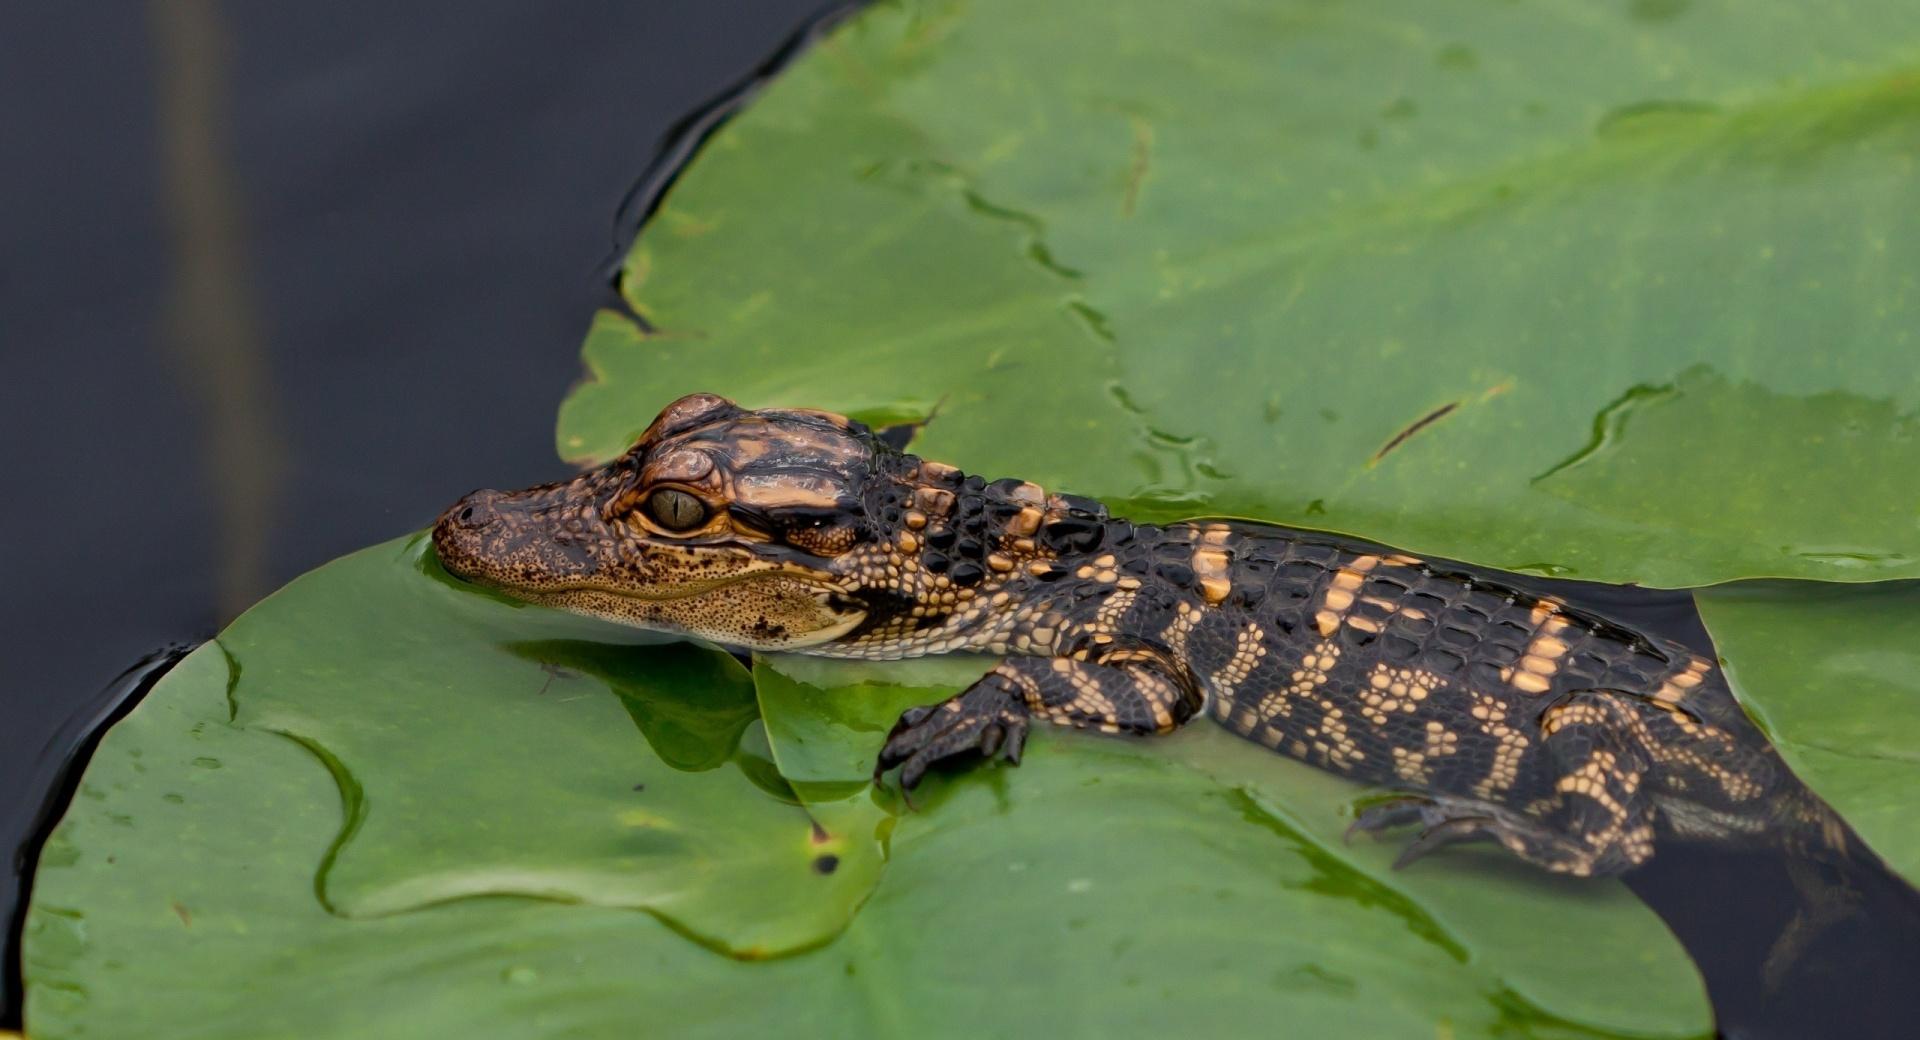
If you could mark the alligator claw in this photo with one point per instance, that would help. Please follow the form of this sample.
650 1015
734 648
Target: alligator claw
1441 825
982 721
1389 813
1440 835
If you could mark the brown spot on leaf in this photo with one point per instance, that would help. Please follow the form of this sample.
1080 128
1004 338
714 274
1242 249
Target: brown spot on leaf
1415 427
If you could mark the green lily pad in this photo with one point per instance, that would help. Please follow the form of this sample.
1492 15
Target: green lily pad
1627 296
382 804
1642 287
1484 909
1833 675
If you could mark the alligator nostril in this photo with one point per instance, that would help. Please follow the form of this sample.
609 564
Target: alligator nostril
473 512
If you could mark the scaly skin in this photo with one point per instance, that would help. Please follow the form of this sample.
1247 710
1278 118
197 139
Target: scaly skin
1573 741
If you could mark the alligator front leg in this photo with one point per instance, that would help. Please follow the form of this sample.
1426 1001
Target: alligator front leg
1123 691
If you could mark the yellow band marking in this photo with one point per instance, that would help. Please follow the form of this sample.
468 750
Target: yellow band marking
1527 682
1210 563
1327 623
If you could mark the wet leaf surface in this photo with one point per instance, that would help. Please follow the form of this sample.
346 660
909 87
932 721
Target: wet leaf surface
1652 282
410 827
1481 909
1622 293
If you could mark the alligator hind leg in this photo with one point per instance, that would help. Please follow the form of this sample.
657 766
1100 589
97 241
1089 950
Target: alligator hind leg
1123 691
1591 816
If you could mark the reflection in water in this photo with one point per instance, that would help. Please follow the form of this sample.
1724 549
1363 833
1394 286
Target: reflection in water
1792 947
210 317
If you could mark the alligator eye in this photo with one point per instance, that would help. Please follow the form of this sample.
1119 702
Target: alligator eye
676 510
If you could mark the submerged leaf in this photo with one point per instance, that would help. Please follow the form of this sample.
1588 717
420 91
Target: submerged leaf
1833 674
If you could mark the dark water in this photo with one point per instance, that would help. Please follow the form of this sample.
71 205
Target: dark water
278 283
1786 948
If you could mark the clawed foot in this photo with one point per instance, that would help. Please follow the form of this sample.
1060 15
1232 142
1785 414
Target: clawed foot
983 720
1439 827
1448 821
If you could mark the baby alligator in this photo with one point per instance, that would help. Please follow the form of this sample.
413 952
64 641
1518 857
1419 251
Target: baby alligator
1567 738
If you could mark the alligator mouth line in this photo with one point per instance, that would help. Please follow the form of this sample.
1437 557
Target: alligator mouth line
808 578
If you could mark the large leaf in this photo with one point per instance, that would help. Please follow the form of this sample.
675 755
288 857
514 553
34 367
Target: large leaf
367 810
1647 272
1485 908
1833 674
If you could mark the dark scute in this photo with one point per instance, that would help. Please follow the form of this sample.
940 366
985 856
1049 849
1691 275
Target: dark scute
941 537
1311 552
1301 571
1399 649
1358 638
1426 602
1386 585
934 562
1175 572
1072 535
1485 674
1054 572
967 573
969 548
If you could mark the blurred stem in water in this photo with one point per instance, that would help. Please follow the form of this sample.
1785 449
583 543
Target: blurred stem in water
211 322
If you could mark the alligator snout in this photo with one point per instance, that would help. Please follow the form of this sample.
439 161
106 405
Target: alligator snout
457 535
475 511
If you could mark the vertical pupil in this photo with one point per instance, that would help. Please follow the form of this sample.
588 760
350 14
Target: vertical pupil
675 509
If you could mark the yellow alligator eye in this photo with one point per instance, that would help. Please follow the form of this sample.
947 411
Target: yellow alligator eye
676 510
